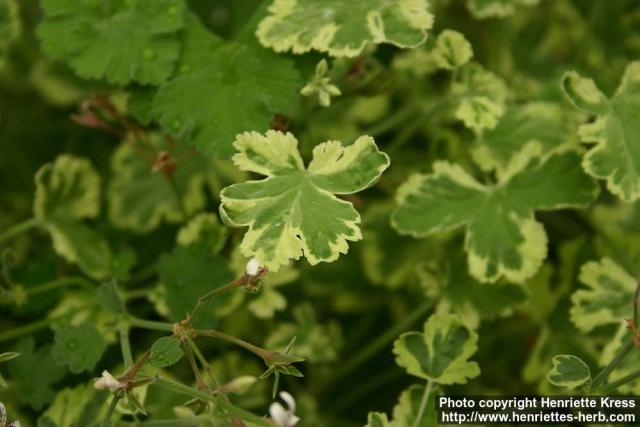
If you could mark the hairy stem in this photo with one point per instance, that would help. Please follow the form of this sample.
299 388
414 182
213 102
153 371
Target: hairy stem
60 283
239 282
237 341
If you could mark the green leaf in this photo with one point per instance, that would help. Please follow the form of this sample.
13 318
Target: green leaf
165 352
68 191
188 273
231 97
503 239
267 303
293 211
543 122
140 199
607 299
569 371
79 347
441 352
482 97
343 28
121 41
34 373
377 419
452 50
483 9
81 406
203 228
616 132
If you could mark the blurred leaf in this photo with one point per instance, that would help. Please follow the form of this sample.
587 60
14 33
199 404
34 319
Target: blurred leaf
204 228
569 371
78 347
81 406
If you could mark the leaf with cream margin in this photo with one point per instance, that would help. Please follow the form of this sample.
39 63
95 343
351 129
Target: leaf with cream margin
615 133
343 27
140 198
452 50
569 371
483 9
408 407
607 299
122 42
482 96
377 419
81 406
205 228
294 210
543 122
503 239
441 352
68 191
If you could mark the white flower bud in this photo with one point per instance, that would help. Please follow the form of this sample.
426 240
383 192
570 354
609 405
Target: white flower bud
253 267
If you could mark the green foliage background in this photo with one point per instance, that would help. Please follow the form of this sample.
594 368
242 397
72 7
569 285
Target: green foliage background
510 201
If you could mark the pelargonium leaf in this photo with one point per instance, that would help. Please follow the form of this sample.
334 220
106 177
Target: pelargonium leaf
377 419
452 50
78 347
67 191
140 199
615 133
203 228
120 41
441 352
294 210
217 92
342 27
406 410
543 122
482 96
503 239
607 299
569 371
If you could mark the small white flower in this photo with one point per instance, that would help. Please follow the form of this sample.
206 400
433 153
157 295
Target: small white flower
284 417
253 267
108 382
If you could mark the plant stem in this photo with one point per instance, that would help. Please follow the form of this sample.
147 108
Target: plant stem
150 324
17 229
59 283
200 384
30 328
393 120
125 345
229 407
423 403
176 192
203 361
381 341
237 341
604 373
106 422
239 282
612 386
